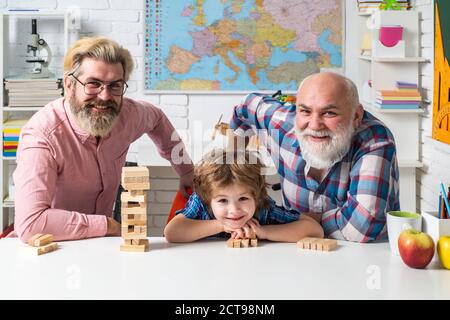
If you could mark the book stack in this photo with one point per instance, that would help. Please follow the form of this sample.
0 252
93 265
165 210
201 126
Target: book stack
407 96
369 6
32 92
11 132
10 142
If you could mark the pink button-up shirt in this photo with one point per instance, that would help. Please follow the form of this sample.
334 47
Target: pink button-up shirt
66 183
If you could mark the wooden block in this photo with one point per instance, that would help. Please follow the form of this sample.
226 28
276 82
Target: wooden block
135 179
304 243
129 241
142 205
329 244
135 172
136 186
135 193
134 241
47 248
133 204
301 243
317 244
33 238
134 210
242 243
127 197
313 244
43 240
134 219
132 234
142 230
141 247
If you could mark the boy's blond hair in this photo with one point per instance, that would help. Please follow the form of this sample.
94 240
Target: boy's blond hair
221 168
98 48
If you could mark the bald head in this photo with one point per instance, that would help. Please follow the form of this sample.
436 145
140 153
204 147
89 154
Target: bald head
331 82
328 113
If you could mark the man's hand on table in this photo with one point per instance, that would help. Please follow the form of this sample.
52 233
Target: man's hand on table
112 227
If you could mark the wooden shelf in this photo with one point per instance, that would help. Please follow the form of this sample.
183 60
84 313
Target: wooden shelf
23 109
396 60
8 203
370 107
40 14
407 163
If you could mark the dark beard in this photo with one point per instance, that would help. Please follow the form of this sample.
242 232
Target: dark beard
98 124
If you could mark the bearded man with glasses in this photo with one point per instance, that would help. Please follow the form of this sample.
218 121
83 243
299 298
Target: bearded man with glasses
71 152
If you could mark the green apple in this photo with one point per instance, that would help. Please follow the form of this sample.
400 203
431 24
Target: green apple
443 249
416 248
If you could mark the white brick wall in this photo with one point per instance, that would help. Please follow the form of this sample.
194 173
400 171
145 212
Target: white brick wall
122 21
435 155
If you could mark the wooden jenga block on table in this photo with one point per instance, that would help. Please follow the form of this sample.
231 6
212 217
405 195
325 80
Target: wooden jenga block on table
137 245
47 248
40 239
134 209
43 243
317 244
242 243
34 238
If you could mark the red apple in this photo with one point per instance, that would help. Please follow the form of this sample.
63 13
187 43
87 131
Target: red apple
416 248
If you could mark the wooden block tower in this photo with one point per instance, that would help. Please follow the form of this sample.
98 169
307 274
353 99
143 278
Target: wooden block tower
136 181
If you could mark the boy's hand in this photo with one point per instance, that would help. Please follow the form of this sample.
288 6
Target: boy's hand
258 230
246 232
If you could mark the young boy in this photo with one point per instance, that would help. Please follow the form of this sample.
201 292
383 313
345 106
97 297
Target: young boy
230 196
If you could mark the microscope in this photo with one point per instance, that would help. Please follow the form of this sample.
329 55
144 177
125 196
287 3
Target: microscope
40 68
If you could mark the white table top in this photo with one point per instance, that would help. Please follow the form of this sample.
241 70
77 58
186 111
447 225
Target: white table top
208 269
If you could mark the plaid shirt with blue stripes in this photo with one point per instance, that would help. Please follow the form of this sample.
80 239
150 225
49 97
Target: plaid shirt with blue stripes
356 192
273 214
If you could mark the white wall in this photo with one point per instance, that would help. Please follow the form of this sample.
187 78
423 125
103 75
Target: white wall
122 21
435 154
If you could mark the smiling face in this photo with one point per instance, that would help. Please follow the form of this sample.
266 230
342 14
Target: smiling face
97 113
326 119
233 205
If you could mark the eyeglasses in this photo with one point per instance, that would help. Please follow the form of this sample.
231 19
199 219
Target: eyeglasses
116 88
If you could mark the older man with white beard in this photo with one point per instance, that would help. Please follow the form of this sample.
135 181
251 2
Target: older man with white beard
337 162
71 152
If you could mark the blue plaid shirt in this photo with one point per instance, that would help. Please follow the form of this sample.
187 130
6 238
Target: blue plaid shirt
196 209
356 192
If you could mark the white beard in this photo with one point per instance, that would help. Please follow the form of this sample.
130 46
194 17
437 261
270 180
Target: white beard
323 155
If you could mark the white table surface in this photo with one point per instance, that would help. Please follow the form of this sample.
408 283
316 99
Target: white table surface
208 269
